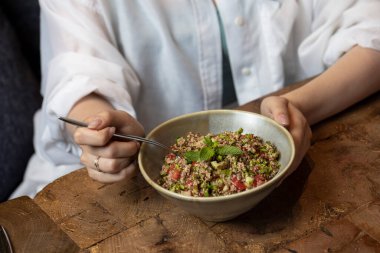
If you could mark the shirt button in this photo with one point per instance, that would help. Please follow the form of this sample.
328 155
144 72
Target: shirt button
239 21
246 71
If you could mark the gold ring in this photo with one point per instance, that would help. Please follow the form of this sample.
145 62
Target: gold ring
96 163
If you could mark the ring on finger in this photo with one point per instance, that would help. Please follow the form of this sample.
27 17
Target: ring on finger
96 164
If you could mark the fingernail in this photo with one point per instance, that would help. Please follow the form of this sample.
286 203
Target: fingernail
94 123
283 119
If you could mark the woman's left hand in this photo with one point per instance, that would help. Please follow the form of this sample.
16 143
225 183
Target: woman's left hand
285 113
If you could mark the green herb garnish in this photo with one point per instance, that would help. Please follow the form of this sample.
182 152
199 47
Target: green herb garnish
211 149
229 150
206 154
192 156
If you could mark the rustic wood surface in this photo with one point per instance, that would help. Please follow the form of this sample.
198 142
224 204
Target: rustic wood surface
330 204
31 230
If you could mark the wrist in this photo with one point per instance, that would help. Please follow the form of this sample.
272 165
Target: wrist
291 100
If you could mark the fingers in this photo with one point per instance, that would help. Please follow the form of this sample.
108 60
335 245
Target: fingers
110 163
86 136
122 121
114 157
114 149
300 128
301 133
103 164
106 159
276 108
123 174
117 149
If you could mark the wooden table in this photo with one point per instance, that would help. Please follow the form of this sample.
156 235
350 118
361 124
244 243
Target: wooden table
330 204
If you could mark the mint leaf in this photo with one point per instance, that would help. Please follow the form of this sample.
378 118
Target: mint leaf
206 154
207 140
192 156
229 150
215 144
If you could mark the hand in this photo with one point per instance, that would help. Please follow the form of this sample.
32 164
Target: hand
108 160
284 112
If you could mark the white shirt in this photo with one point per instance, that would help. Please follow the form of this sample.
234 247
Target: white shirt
157 59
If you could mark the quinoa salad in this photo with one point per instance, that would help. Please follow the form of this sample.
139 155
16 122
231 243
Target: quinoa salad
218 164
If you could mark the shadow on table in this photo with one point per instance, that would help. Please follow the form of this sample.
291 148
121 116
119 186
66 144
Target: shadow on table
275 211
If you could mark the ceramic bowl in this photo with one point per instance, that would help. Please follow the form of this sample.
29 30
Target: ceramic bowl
220 208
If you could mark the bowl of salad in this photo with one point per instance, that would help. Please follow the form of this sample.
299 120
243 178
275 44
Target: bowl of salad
221 163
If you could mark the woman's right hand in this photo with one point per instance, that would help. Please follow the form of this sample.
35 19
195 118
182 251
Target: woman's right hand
108 160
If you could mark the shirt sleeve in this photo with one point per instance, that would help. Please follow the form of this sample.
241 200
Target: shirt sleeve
356 23
79 57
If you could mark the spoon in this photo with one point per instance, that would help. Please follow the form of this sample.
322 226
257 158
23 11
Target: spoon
121 136
5 243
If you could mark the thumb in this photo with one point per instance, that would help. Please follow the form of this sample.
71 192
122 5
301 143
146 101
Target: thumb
121 120
277 109
101 120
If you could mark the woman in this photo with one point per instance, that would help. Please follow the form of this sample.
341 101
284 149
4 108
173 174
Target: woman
126 66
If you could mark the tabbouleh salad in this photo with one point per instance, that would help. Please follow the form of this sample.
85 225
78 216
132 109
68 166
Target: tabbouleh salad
218 164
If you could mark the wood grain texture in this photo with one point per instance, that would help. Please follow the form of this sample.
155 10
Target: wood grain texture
31 230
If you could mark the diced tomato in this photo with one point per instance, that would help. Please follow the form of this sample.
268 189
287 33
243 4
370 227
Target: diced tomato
259 180
189 182
175 174
171 156
238 183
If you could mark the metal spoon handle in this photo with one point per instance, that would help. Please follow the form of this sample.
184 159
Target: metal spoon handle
120 136
5 242
138 138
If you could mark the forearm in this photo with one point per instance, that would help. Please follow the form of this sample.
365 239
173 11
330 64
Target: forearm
87 106
355 76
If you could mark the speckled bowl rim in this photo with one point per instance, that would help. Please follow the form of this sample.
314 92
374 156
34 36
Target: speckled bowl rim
268 184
